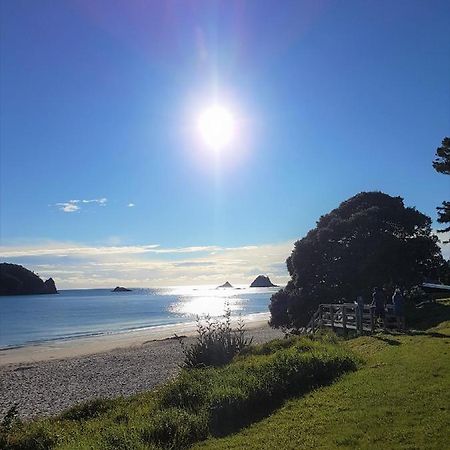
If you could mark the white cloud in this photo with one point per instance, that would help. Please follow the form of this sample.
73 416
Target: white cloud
74 265
101 201
62 249
73 205
69 206
131 205
445 248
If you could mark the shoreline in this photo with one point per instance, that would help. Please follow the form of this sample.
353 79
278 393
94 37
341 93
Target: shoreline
89 345
47 380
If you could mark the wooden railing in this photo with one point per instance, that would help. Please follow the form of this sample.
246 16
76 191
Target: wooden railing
345 316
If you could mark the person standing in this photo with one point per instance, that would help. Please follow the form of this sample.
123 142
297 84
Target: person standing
378 302
398 302
359 310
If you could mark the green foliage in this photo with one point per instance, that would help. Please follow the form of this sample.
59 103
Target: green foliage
442 162
33 437
252 386
444 216
399 399
216 343
196 404
11 417
442 165
88 410
370 240
427 314
176 428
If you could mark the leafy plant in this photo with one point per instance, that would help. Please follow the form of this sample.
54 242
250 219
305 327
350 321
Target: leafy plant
216 343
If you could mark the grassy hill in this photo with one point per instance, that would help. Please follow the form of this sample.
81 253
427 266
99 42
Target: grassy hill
399 399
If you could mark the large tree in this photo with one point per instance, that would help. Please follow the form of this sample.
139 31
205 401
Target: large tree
370 240
442 165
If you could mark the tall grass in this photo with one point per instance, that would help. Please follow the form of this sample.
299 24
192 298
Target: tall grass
216 343
196 404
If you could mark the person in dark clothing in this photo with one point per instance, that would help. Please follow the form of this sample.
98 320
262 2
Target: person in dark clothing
378 302
399 308
359 310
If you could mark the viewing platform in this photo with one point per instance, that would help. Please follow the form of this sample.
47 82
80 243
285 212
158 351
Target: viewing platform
344 316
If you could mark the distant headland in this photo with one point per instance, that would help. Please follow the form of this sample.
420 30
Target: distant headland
17 280
121 289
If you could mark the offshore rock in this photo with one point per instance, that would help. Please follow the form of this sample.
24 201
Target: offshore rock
262 281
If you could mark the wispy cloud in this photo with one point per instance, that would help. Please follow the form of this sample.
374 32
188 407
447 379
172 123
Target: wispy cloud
74 205
101 201
75 265
62 249
68 207
445 248
131 205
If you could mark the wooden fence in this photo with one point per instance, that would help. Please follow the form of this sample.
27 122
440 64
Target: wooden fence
345 316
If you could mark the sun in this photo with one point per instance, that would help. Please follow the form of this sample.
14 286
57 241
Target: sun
217 127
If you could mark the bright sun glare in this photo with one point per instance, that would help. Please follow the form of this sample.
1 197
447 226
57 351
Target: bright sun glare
217 127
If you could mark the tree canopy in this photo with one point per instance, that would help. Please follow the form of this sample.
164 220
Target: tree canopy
442 165
370 240
442 161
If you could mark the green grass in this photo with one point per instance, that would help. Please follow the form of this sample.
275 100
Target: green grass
399 399
279 395
196 404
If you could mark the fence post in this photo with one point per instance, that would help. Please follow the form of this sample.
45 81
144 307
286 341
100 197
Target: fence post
372 321
344 319
332 316
320 317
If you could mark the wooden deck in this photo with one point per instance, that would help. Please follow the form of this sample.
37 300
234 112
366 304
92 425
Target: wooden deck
344 316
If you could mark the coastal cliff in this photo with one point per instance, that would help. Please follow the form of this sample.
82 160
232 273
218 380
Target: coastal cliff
17 280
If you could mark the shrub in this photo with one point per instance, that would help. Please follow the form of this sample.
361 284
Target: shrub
88 410
175 428
216 343
36 437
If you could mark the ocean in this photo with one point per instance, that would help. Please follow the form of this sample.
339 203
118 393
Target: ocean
75 313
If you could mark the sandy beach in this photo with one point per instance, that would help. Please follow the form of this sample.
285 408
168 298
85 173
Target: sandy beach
48 378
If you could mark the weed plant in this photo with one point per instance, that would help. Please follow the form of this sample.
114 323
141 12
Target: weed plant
216 343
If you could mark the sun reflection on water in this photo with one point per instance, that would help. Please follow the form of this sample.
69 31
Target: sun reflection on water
202 306
210 302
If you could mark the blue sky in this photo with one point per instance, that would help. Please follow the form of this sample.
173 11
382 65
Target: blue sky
98 107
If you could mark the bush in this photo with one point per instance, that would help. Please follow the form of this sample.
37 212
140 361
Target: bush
176 428
88 410
216 344
38 436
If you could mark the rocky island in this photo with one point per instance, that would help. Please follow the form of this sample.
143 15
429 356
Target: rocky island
224 285
262 281
17 280
121 289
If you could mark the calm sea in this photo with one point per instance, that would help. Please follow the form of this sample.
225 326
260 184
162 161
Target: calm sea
30 319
